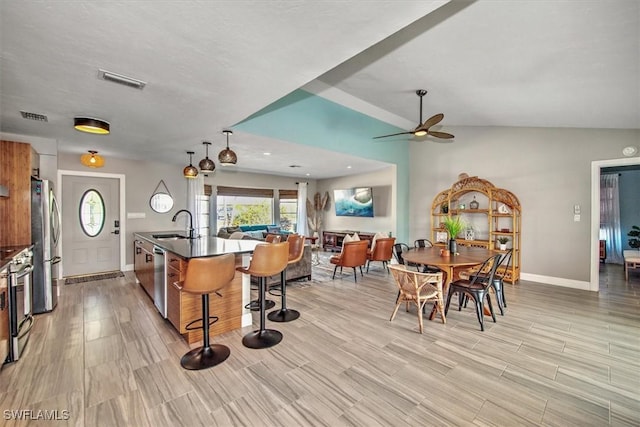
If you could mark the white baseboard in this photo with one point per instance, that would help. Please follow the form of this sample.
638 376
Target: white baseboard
128 267
556 281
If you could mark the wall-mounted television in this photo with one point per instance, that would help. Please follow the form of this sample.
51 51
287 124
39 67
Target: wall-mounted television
354 202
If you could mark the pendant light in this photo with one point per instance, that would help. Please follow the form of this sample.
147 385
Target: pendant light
190 171
91 125
227 157
92 160
206 164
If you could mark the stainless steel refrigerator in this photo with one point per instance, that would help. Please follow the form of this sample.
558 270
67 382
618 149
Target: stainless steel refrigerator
45 234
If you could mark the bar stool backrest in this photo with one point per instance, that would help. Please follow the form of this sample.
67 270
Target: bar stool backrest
269 259
273 238
296 247
206 275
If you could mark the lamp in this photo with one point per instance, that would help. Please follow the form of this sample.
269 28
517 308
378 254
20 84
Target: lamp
190 171
92 160
206 164
227 157
90 125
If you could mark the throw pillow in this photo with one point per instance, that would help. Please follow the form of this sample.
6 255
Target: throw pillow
237 235
273 230
346 239
355 237
376 237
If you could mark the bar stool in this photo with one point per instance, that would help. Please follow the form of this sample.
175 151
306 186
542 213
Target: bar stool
296 250
254 305
205 276
267 260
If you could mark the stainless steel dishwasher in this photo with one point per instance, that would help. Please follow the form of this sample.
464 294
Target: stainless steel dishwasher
159 282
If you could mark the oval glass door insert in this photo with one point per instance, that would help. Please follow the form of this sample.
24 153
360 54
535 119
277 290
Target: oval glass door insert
92 213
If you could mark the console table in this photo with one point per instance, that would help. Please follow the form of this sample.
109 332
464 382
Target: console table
332 240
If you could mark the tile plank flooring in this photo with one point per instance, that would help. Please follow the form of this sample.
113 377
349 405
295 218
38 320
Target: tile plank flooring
559 357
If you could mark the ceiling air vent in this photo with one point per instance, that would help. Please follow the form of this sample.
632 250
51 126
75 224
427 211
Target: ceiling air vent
34 116
120 79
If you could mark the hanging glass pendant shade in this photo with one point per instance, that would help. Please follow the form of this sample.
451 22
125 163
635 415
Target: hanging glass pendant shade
190 171
227 156
206 164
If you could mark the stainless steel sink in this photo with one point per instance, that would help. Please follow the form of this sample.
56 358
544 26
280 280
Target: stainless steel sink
171 236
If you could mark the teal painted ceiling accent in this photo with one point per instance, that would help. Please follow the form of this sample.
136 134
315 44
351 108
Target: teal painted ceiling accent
305 118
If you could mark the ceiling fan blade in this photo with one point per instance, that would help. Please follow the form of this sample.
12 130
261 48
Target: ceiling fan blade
433 120
393 134
442 135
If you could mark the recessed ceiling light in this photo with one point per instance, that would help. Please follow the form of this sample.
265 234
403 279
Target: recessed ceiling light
267 154
307 174
349 167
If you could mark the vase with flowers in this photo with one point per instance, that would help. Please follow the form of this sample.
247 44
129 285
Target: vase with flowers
454 225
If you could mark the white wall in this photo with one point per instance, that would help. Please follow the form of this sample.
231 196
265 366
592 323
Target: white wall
384 187
548 169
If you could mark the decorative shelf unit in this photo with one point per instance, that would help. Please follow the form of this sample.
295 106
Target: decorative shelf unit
498 214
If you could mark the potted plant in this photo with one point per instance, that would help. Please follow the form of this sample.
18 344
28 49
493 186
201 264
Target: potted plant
634 242
503 242
454 225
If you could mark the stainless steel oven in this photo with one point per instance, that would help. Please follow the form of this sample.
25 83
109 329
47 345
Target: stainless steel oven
20 303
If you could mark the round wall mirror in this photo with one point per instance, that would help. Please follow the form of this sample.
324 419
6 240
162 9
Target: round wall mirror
161 202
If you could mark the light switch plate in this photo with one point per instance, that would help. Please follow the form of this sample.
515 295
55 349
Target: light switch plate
136 215
576 218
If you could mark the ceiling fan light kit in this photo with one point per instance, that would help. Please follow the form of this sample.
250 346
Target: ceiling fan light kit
227 157
91 125
423 128
190 171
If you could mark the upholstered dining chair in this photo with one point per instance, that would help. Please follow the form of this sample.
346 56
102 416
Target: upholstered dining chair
354 254
382 251
418 288
477 288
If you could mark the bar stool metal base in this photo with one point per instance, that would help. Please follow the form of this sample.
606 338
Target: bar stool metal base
255 305
205 357
283 315
262 339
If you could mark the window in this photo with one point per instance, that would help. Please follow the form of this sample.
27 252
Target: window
243 206
288 209
92 213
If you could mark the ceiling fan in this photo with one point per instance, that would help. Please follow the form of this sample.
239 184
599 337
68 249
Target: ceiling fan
423 128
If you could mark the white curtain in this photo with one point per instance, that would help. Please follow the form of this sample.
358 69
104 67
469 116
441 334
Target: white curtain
301 217
610 217
196 204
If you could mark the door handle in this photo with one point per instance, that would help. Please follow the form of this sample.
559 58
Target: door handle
115 232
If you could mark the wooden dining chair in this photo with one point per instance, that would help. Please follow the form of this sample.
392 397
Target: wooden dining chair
418 288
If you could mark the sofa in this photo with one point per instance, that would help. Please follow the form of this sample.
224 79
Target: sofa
257 232
299 270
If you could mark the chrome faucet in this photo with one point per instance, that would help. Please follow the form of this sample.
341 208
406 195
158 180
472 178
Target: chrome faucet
191 230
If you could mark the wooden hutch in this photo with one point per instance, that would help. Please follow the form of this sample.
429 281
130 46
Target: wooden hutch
489 211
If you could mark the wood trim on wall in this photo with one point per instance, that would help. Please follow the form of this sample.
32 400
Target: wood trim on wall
15 210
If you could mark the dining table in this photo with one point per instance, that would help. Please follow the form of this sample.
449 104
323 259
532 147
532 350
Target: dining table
451 264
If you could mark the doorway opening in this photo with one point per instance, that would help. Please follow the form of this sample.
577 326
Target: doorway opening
596 168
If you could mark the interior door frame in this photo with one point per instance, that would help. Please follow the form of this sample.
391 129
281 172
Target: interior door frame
596 167
122 196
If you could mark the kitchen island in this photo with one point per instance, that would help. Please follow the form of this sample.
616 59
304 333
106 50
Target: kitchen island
161 260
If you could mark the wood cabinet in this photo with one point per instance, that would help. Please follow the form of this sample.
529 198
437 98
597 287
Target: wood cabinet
4 316
16 162
490 212
184 308
143 265
332 240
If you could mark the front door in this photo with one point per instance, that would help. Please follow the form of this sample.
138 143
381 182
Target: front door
90 225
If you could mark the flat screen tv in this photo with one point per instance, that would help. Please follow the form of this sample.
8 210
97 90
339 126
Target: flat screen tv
354 202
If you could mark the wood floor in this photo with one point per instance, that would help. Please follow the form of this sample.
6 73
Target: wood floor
559 357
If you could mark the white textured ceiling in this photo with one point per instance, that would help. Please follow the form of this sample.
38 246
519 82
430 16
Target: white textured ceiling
211 64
